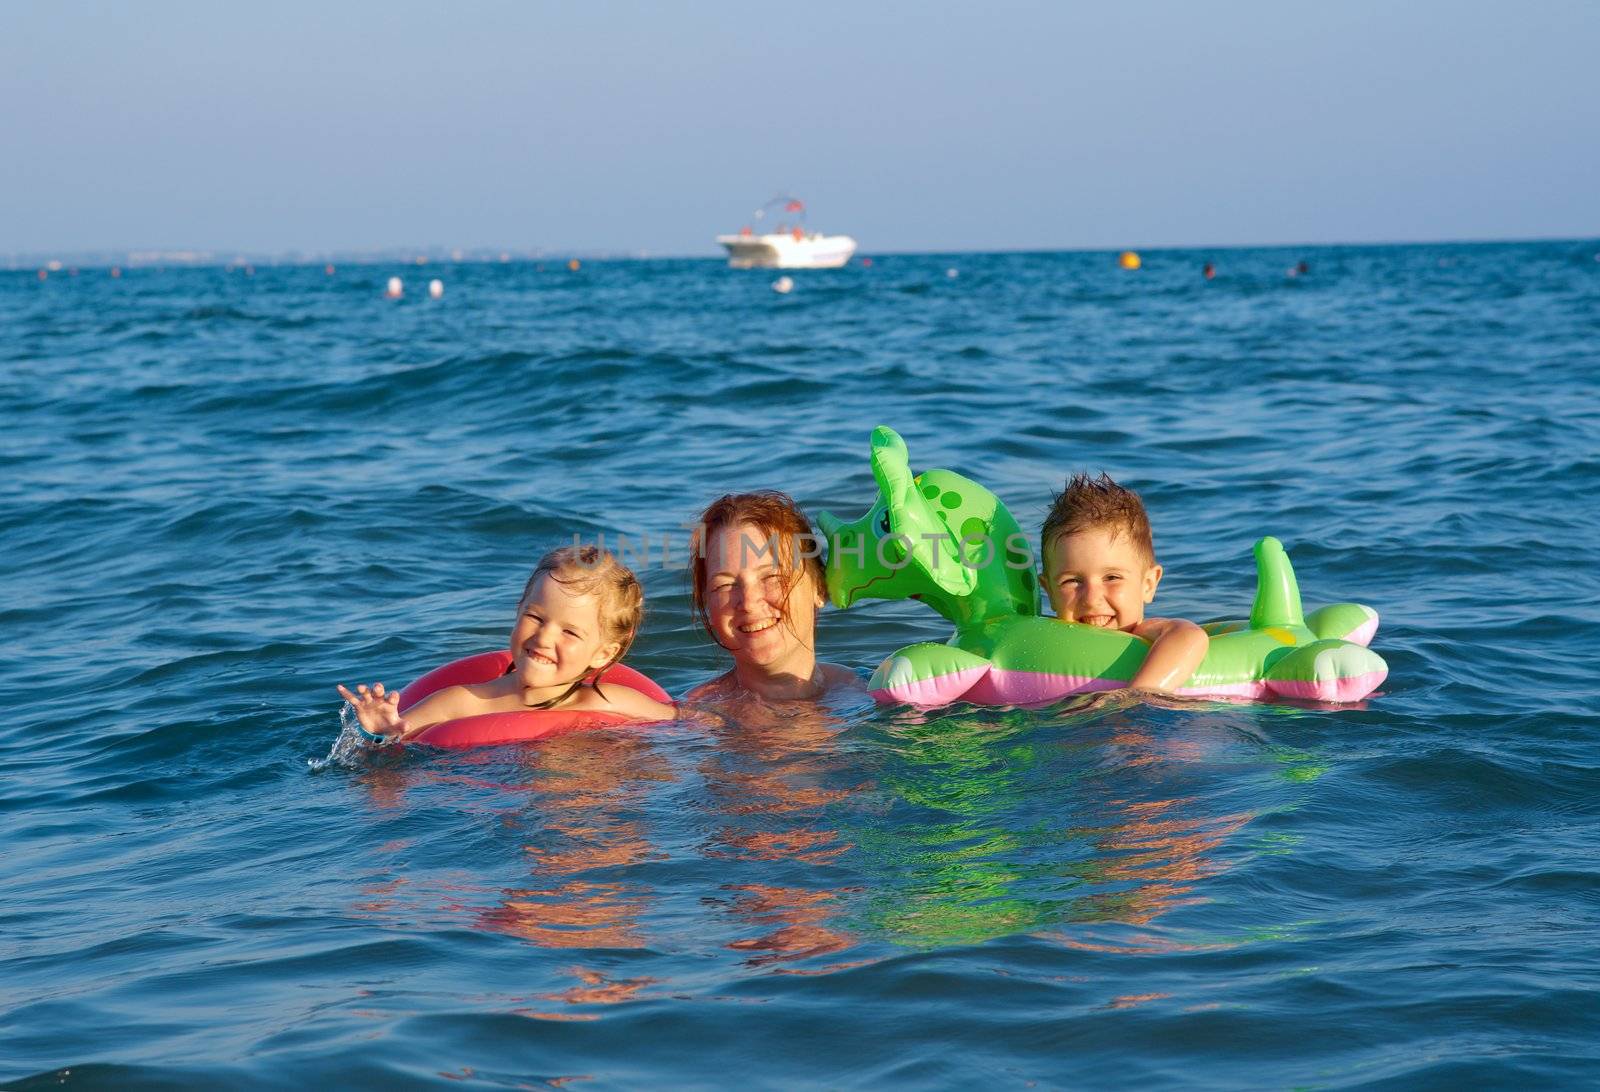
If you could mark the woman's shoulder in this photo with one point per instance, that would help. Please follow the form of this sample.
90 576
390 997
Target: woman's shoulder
839 677
711 688
727 685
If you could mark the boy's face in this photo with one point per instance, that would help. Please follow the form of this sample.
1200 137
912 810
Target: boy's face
1099 577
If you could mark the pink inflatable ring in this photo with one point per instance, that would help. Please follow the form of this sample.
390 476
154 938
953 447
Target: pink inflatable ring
519 727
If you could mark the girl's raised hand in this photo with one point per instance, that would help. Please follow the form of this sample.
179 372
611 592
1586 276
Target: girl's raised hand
377 710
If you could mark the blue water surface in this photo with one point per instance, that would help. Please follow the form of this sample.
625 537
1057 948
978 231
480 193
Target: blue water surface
223 491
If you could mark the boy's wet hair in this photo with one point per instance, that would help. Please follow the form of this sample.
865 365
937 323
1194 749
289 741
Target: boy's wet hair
1098 504
779 519
590 570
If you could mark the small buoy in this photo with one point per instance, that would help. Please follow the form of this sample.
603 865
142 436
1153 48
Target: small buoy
44 274
1208 271
783 285
1129 259
435 288
116 271
394 289
868 261
952 273
328 269
574 265
504 257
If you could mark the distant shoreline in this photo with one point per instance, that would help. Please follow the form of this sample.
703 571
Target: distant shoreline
150 257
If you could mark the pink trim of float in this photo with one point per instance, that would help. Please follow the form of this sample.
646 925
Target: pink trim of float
1330 690
929 693
1249 691
993 686
518 727
1362 635
1000 687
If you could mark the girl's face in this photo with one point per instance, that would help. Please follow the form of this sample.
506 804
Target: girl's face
558 637
750 615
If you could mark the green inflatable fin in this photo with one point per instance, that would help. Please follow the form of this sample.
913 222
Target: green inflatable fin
1277 593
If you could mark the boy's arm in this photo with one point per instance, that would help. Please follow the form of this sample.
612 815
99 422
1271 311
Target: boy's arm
1176 649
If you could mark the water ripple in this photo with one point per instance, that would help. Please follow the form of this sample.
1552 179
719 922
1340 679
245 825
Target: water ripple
225 492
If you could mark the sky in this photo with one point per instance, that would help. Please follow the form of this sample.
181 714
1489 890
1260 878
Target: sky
603 125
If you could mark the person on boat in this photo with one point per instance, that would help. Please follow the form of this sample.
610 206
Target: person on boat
757 584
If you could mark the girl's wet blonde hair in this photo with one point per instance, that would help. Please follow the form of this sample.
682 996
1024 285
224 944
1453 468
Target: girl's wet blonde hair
590 570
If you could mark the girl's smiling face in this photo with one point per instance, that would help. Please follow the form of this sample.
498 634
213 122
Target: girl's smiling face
558 637
762 612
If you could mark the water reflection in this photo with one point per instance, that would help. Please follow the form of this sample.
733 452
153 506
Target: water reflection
778 787
806 840
587 795
578 806
1009 821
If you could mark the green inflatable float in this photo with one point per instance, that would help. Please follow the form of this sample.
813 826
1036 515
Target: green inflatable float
944 539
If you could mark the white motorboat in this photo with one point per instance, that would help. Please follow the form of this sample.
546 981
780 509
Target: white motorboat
786 244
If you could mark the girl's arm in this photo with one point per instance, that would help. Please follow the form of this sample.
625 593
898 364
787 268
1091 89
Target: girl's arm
630 703
1176 649
378 710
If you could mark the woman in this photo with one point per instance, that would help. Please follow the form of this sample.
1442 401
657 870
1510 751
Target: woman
757 588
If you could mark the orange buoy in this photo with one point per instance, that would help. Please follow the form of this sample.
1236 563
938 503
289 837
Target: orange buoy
1129 259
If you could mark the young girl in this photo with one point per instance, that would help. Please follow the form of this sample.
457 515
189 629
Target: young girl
577 617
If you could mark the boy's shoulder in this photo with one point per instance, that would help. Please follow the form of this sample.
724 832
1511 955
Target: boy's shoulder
1155 627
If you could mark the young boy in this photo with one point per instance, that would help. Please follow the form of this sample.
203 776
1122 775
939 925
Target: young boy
1100 570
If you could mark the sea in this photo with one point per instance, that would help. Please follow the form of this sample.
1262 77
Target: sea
225 490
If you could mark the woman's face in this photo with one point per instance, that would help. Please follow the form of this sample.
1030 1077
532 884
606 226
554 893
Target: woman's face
750 616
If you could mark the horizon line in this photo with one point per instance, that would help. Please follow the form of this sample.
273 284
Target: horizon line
490 255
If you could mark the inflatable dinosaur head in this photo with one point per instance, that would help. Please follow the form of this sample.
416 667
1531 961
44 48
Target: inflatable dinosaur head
935 536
